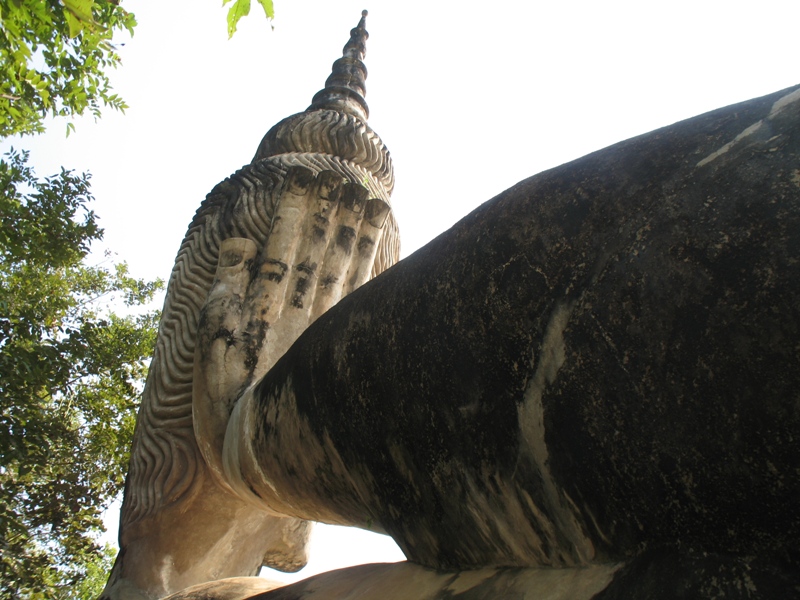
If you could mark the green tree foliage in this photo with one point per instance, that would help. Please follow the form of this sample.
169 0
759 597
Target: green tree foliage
241 8
70 373
54 55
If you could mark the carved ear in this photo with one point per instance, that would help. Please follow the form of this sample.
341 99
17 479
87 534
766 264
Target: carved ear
288 550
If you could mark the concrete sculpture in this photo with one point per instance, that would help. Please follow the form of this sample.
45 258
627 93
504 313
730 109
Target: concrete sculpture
587 388
312 213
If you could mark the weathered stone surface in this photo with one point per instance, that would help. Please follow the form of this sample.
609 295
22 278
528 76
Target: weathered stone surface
404 581
599 366
655 575
233 588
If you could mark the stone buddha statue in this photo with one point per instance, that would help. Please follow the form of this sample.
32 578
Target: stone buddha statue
586 389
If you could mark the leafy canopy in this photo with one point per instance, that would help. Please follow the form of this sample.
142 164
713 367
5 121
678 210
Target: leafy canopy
54 55
70 373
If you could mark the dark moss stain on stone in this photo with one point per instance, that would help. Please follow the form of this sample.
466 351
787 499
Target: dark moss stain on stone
328 280
278 272
663 573
253 340
226 334
300 291
345 237
365 245
318 231
307 267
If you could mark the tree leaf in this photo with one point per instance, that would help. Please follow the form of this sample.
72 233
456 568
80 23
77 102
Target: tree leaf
240 8
74 23
82 9
269 9
78 14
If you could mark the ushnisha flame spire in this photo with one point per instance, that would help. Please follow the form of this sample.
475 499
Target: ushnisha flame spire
345 89
336 122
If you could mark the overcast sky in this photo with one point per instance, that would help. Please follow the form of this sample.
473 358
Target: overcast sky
470 97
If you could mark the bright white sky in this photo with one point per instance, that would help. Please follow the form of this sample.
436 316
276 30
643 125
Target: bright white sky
469 96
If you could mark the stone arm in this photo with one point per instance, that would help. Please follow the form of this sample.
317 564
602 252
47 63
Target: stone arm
535 387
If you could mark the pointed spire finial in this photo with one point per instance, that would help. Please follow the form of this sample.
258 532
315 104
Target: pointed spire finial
346 87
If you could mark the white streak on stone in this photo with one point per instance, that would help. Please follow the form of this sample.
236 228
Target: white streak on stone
531 419
778 107
784 102
738 139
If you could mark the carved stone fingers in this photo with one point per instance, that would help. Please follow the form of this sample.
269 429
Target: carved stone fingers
375 215
331 252
221 366
357 227
321 246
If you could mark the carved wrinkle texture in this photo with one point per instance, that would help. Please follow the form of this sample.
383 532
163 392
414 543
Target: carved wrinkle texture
331 133
165 460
